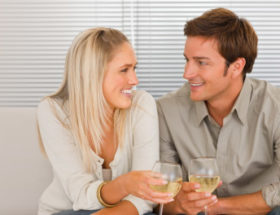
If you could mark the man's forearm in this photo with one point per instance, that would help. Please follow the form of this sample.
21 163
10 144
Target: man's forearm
245 204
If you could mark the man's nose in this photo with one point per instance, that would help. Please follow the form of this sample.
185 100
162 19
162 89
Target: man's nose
190 71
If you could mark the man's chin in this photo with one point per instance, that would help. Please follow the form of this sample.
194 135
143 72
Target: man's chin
196 98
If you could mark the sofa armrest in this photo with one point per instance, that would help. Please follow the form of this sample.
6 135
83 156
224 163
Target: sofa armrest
25 172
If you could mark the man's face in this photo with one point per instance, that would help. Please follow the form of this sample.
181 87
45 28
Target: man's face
206 70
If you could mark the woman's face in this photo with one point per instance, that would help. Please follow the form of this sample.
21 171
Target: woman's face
120 77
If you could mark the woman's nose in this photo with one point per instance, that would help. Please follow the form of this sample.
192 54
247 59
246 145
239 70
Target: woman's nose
133 80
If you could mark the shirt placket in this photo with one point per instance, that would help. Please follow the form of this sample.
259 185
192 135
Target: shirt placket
223 157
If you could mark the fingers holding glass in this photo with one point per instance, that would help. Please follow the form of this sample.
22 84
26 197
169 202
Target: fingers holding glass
172 174
204 171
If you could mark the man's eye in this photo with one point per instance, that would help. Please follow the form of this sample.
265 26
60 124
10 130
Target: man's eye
135 68
202 63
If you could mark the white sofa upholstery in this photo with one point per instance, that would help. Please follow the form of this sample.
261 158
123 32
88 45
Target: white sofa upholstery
25 172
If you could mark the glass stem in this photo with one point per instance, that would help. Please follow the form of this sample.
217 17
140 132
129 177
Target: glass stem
160 209
205 210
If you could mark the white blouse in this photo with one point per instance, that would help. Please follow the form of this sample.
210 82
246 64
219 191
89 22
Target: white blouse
72 187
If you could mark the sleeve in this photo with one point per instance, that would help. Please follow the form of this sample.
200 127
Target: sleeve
63 154
168 152
145 142
271 193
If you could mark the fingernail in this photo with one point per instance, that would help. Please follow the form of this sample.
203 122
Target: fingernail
197 186
214 197
171 200
207 194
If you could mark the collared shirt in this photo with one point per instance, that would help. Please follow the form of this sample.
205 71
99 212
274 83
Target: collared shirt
247 146
73 187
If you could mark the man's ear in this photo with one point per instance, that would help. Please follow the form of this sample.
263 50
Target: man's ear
237 66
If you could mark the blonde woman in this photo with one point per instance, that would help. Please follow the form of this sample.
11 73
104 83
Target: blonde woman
100 136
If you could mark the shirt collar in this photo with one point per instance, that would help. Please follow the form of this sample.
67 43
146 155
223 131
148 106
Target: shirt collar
241 105
201 111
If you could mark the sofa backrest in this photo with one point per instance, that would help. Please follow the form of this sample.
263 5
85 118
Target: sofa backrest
25 172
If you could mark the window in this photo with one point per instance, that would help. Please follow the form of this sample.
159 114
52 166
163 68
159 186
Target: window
35 36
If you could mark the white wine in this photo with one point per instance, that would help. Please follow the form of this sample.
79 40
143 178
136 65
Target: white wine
171 187
207 183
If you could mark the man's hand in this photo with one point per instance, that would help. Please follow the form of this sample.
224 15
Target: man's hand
191 202
213 209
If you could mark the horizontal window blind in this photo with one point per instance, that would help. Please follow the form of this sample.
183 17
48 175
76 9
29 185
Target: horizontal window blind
160 39
35 36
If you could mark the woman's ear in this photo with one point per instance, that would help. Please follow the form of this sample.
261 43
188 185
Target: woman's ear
238 66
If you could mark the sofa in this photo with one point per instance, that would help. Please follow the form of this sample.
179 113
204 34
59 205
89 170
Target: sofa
25 171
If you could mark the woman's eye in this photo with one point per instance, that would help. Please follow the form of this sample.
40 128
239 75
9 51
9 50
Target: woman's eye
124 70
135 68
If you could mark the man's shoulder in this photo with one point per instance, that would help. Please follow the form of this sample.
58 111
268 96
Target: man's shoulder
266 94
171 97
176 103
264 88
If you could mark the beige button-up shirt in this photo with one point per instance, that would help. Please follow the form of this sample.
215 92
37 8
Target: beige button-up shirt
247 147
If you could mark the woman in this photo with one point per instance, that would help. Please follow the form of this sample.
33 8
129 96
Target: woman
100 136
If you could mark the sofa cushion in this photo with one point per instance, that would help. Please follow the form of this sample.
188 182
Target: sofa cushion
25 172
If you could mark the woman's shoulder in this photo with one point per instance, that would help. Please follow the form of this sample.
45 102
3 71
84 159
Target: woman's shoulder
143 103
142 97
50 107
44 106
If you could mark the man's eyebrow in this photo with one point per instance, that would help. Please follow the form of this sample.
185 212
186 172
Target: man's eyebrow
201 58
198 57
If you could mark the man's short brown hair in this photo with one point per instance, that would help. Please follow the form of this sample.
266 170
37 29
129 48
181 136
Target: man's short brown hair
235 36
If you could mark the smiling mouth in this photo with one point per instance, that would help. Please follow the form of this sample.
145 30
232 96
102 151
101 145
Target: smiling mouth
127 92
196 84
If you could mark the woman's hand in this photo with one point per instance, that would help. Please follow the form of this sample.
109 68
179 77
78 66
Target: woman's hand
138 184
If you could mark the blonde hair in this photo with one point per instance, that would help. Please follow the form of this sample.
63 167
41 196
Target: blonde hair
81 92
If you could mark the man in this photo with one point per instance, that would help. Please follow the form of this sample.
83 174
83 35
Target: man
222 113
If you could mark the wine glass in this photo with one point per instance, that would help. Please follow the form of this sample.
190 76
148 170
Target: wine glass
172 173
204 171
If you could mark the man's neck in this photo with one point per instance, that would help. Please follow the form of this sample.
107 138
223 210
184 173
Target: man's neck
220 108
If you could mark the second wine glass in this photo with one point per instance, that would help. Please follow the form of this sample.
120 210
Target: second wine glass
204 171
172 173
